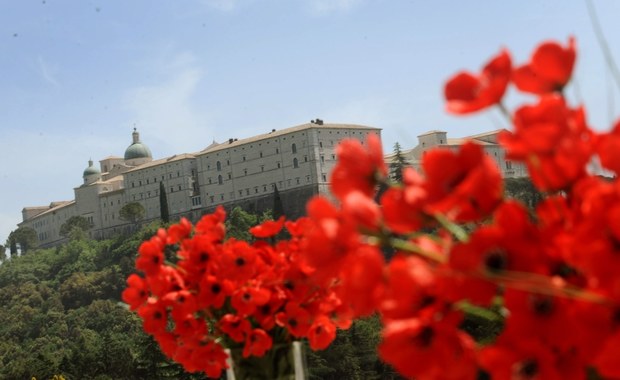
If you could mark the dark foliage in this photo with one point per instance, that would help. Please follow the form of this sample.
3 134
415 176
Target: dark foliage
163 204
61 315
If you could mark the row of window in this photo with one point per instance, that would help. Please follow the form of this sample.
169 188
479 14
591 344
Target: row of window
118 202
218 164
40 223
147 181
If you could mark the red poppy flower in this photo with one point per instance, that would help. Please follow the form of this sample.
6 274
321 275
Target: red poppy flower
268 228
167 342
246 299
213 291
257 343
321 333
467 93
167 280
238 260
154 317
297 227
199 256
329 239
553 140
421 350
512 243
213 224
235 327
361 276
179 231
182 302
410 288
607 147
403 206
151 256
549 69
190 328
210 358
606 362
465 185
362 210
265 314
295 318
545 317
524 360
136 293
358 167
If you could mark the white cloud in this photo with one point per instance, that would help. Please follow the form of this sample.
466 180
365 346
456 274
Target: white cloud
47 72
166 112
326 6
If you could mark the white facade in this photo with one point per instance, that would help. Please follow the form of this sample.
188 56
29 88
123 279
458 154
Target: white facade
298 161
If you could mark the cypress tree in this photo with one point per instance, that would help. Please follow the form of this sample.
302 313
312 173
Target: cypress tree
12 244
163 204
399 162
278 209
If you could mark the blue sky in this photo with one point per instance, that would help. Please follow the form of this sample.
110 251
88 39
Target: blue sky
76 76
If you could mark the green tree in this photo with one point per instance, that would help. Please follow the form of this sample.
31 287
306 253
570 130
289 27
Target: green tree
26 237
523 190
163 204
238 222
2 253
278 208
12 243
398 163
132 212
78 222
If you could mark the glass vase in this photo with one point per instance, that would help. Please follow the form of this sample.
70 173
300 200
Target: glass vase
282 362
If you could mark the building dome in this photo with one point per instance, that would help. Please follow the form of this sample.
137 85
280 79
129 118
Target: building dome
137 149
91 170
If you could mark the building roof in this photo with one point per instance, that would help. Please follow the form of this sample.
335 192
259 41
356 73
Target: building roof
489 133
463 140
431 132
36 208
275 133
91 170
161 161
53 207
137 150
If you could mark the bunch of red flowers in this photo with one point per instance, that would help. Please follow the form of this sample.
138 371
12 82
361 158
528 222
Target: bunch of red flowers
552 271
456 244
217 293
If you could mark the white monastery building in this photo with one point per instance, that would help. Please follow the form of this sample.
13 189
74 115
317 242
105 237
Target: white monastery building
292 164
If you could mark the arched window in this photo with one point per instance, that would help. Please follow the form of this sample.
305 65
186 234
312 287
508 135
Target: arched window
294 149
295 162
219 179
219 166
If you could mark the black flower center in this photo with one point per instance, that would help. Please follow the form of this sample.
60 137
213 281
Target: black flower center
425 338
495 260
528 369
216 288
542 306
